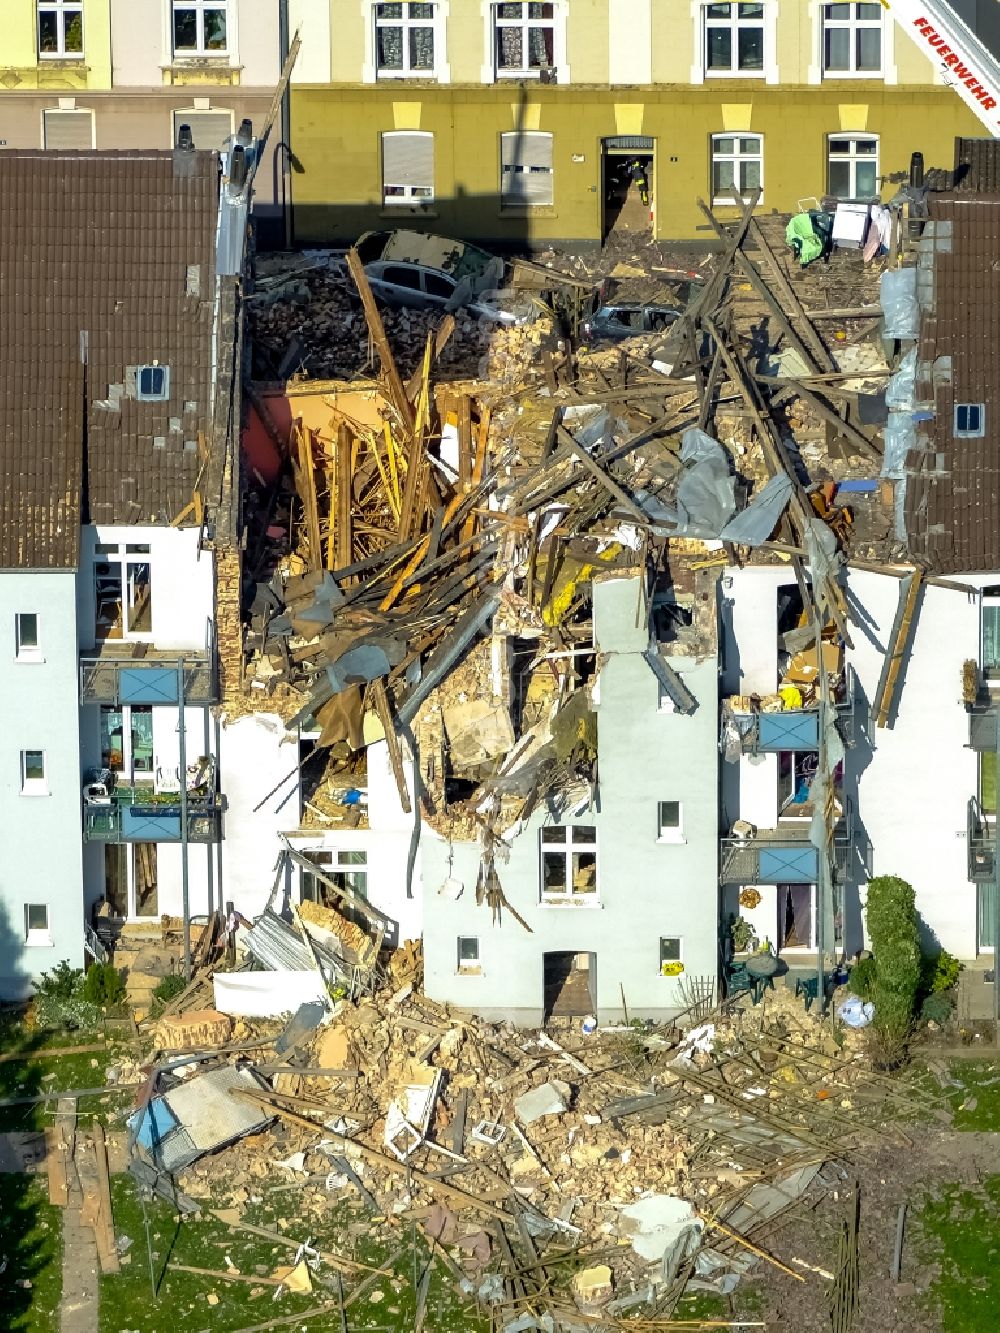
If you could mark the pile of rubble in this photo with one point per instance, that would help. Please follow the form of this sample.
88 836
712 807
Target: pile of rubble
653 1159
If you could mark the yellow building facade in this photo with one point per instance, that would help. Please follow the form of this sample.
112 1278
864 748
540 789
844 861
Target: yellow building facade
518 123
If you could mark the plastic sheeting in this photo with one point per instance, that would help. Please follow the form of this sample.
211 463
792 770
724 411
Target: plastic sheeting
706 492
898 439
901 390
898 298
760 518
265 994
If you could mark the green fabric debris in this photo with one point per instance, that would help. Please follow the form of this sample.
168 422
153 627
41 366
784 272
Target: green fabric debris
800 235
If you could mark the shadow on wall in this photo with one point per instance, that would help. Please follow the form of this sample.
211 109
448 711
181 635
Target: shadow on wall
859 867
30 1239
490 218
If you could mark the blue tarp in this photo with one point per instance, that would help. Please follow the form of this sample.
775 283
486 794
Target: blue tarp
157 1123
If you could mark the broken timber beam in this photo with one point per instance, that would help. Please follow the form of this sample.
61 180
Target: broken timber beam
381 700
899 640
397 390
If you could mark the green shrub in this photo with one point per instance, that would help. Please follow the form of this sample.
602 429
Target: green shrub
103 985
937 1007
938 972
895 941
862 979
62 983
168 988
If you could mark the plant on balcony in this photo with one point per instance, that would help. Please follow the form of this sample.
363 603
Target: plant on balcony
895 938
970 681
744 936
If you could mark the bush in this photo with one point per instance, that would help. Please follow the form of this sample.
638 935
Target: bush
937 1007
861 982
895 940
887 1046
62 983
168 988
938 972
103 985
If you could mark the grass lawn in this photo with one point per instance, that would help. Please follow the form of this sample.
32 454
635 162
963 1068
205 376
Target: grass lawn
36 1071
182 1302
959 1230
31 1247
975 1101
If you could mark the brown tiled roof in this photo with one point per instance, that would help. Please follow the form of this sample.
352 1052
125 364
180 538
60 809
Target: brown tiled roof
977 166
100 256
953 485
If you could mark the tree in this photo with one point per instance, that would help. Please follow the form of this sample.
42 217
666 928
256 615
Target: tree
895 939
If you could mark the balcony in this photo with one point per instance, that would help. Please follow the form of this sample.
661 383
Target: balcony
981 838
795 728
113 676
783 856
130 815
983 727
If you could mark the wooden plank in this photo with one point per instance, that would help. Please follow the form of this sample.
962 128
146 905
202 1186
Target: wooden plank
107 1248
791 304
342 527
441 336
397 391
56 1161
603 477
843 428
909 591
381 700
464 443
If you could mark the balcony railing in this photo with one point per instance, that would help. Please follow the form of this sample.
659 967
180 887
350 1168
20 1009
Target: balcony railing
116 681
132 819
981 838
796 728
983 727
785 856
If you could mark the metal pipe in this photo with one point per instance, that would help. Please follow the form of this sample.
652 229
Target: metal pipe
210 869
996 903
182 765
286 126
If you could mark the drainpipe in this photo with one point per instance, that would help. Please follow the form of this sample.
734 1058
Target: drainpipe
286 127
182 764
996 903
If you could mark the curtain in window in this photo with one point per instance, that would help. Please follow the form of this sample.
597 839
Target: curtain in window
991 639
539 48
390 48
421 48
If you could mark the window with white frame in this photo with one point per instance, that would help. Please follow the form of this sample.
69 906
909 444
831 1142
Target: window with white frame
670 821
526 177
468 953
200 27
852 40
737 164
123 586
36 924
348 869
852 166
734 39
407 167
569 863
671 956
68 128
60 29
523 39
33 779
405 40
970 420
26 641
209 128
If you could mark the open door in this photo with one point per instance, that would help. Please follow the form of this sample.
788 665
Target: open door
570 984
627 173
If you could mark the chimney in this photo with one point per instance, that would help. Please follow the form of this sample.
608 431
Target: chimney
237 169
185 139
244 135
916 170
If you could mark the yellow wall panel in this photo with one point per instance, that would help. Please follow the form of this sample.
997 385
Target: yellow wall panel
628 118
853 115
406 115
737 115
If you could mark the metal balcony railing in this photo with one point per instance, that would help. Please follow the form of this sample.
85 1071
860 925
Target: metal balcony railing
118 681
983 727
785 855
797 728
136 820
981 836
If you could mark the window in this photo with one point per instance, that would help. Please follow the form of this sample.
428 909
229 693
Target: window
124 591
671 963
852 40
468 953
33 781
127 742
796 771
404 40
853 166
407 167
152 383
669 821
60 29
524 39
737 164
569 863
439 284
26 637
348 870
970 420
734 39
991 633
67 128
209 129
200 27
36 924
526 170
988 782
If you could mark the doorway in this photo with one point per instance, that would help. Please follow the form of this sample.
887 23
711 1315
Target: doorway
796 925
627 173
131 880
569 984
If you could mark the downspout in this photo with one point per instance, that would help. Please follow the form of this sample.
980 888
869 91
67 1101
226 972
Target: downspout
286 126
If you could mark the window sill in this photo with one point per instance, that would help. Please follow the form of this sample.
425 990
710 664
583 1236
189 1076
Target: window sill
666 841
413 76
470 972
528 211
735 73
728 203
573 904
872 75
71 61
38 939
184 59
39 791
29 659
395 211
